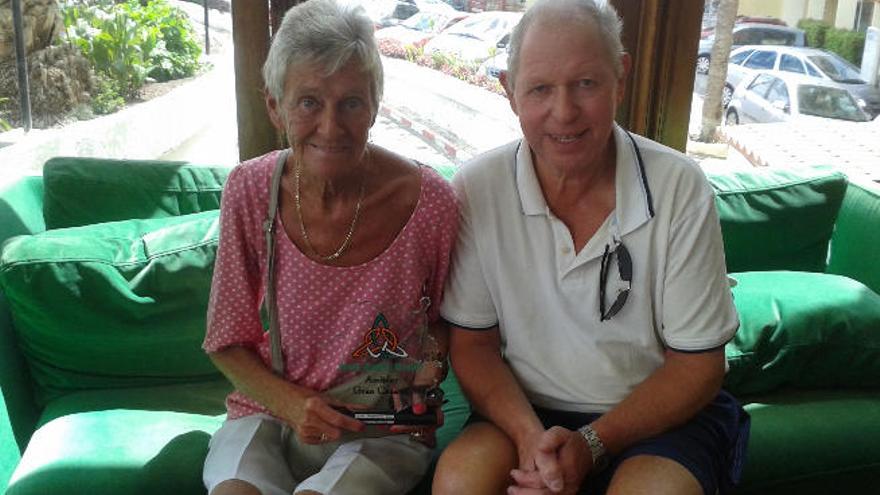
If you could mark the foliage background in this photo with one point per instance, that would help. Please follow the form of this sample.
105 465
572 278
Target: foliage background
130 43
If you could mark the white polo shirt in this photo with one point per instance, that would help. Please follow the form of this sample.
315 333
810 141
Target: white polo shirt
515 267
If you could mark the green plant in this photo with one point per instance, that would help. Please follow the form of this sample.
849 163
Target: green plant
105 100
815 31
129 42
170 41
413 52
4 126
848 44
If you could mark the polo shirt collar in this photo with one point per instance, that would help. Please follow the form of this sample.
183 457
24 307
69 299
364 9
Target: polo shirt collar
530 195
634 204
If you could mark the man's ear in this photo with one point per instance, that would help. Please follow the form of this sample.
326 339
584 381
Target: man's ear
274 111
505 83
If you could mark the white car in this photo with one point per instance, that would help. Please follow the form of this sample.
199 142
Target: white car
819 64
476 38
774 96
420 28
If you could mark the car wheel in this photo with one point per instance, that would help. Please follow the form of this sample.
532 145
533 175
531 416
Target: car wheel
726 96
703 64
732 118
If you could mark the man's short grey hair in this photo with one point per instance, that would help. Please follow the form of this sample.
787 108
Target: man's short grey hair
582 12
327 34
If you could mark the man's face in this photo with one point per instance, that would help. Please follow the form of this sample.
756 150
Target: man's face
566 94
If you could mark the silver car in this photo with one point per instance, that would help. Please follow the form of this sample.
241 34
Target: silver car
751 33
812 62
774 96
476 38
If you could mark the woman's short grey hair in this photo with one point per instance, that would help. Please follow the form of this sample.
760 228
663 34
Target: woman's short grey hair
327 34
582 12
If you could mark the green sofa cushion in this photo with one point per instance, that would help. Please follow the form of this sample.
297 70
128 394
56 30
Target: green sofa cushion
777 219
119 304
85 191
813 442
802 329
117 451
136 441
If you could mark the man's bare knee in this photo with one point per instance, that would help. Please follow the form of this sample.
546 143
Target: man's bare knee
654 475
477 462
235 487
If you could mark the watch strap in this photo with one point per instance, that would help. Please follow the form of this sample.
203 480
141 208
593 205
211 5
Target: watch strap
597 448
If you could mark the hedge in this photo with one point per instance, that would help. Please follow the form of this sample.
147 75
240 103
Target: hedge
848 44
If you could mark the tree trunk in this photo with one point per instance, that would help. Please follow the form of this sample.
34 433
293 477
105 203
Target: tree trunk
718 69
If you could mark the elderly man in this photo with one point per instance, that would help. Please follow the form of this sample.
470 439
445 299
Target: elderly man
588 299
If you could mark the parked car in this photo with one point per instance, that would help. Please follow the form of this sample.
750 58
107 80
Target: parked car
476 38
812 62
420 28
385 13
751 34
709 28
774 96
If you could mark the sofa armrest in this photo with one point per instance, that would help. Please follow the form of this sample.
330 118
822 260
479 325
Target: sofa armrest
856 238
21 212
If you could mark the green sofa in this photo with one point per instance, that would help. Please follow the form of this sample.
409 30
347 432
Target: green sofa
104 276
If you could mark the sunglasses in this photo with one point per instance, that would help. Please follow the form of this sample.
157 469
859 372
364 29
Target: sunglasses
624 268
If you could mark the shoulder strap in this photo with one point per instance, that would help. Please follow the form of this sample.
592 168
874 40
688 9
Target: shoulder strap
269 230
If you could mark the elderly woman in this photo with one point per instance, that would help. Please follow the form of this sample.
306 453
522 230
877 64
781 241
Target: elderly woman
588 297
352 279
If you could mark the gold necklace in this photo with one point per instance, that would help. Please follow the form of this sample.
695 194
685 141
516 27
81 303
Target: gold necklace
302 226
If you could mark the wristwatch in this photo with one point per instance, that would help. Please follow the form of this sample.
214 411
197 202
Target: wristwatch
597 448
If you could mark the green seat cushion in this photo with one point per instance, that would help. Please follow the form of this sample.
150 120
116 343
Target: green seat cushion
119 304
803 329
113 452
85 191
135 441
813 443
777 219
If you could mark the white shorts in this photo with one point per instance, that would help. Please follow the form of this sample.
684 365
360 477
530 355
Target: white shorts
262 451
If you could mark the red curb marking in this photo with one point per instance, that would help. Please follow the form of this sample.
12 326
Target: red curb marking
450 151
428 135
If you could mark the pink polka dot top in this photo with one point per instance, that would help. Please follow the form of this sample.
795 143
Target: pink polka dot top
324 312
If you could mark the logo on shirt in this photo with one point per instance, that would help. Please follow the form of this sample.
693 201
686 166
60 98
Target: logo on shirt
380 341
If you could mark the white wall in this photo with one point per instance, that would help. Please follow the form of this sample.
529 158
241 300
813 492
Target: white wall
846 14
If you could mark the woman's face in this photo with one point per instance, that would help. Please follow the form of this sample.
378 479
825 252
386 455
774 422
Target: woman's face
327 119
566 94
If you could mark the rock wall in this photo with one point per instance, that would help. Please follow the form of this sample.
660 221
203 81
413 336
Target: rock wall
60 78
42 24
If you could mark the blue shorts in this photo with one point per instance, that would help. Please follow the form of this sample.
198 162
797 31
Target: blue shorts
712 445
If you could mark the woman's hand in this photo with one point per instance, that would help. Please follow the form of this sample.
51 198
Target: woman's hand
315 418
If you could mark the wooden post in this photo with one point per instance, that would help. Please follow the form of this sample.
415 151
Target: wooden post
250 36
662 37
